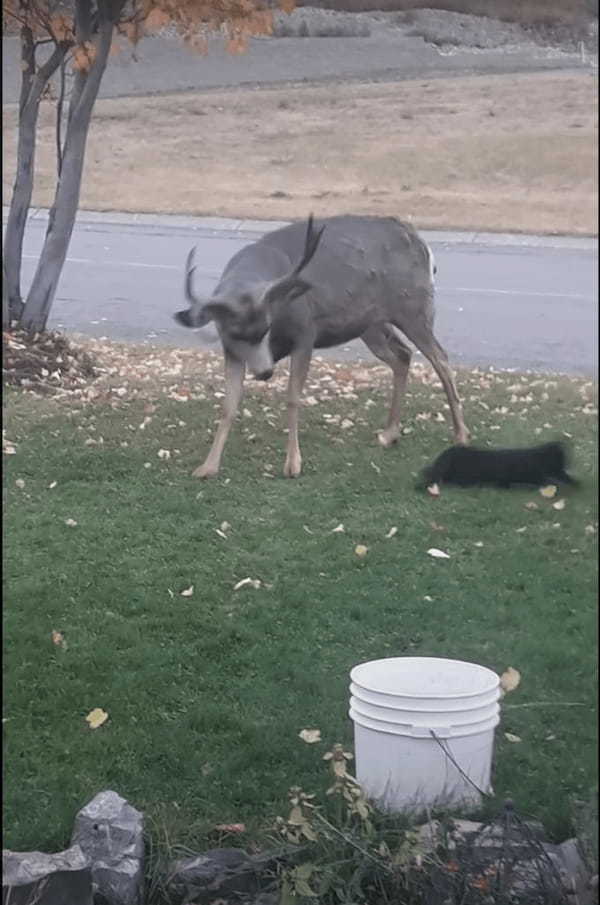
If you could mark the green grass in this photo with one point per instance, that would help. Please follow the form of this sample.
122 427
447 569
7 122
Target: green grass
206 695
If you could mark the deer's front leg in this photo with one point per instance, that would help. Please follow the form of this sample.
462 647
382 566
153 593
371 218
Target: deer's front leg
299 364
234 381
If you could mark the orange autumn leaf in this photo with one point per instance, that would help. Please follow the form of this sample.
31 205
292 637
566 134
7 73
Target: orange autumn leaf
84 56
156 19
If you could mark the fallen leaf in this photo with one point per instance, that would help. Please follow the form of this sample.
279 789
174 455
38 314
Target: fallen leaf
549 491
20 483
511 738
59 639
188 591
376 467
346 424
510 679
531 505
590 529
164 453
247 582
310 736
521 530
433 490
392 532
96 717
436 527
437 554
225 526
478 543
170 593
70 522
428 598
550 738
230 828
339 529
52 485
560 504
221 533
361 551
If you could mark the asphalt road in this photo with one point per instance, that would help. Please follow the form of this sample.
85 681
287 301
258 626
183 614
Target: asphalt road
506 304
162 65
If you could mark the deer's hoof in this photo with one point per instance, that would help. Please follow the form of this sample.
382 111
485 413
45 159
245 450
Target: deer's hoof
292 469
387 438
205 471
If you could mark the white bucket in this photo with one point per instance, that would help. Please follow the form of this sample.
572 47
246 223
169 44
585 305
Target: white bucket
424 731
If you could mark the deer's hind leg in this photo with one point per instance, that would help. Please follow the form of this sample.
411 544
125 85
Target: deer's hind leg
386 345
420 332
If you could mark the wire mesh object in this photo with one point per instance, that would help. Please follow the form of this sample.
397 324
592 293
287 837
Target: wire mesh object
504 862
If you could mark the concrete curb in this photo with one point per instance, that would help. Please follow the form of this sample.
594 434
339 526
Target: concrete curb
254 228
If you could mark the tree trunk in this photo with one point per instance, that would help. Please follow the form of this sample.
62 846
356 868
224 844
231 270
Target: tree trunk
32 87
5 309
66 200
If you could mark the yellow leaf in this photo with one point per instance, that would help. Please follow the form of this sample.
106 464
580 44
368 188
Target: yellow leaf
231 827
512 738
310 736
437 554
96 717
247 582
59 639
296 817
549 491
510 679
361 551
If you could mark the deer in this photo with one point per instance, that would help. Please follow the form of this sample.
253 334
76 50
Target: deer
301 288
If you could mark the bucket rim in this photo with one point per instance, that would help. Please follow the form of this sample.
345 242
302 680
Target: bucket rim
396 701
493 680
448 720
422 733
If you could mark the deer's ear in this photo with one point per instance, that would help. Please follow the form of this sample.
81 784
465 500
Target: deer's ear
200 314
288 288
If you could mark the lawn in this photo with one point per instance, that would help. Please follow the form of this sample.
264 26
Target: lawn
206 694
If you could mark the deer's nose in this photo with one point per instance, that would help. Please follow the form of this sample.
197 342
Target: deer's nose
264 375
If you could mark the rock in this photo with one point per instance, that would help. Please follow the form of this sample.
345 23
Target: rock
574 866
429 836
220 872
58 879
212 873
110 832
466 828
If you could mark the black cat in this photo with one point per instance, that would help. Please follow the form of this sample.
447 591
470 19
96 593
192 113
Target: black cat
468 466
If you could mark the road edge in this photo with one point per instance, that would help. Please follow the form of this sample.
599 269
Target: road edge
246 228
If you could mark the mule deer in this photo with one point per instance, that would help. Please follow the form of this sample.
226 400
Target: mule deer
299 288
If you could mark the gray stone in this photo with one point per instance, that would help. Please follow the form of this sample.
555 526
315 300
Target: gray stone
110 832
573 864
221 872
64 878
212 873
